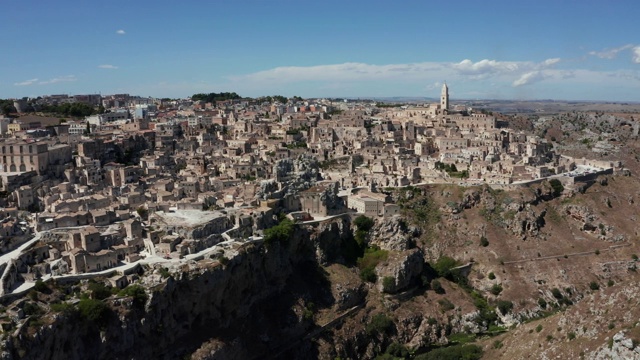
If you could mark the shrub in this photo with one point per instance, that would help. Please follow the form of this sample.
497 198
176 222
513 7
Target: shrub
397 350
557 186
610 283
388 284
99 291
456 352
93 310
571 335
497 344
549 337
31 308
492 276
597 252
63 307
446 305
40 286
136 292
379 324
594 286
363 223
538 328
369 275
484 242
279 233
368 262
496 289
556 293
437 287
444 265
164 272
611 325
542 303
634 257
505 306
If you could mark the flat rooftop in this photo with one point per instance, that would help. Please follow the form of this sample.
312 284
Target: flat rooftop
188 218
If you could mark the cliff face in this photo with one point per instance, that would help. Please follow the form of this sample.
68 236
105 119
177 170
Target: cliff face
200 301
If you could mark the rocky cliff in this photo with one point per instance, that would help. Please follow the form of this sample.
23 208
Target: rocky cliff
228 304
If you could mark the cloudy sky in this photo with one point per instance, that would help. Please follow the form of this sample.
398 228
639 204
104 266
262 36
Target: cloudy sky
561 49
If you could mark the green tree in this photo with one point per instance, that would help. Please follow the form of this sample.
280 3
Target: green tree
279 233
379 324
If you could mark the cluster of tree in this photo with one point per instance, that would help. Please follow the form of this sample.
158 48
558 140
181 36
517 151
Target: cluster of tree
73 109
278 98
213 97
6 107
280 233
452 170
383 105
274 98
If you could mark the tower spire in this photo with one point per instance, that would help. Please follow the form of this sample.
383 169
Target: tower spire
444 97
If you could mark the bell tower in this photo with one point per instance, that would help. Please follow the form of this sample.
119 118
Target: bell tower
444 98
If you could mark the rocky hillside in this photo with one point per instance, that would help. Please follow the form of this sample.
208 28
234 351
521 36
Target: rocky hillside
463 271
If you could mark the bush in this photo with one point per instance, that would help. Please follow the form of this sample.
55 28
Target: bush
492 276
164 272
379 324
368 262
363 223
136 292
594 286
610 283
41 287
496 289
99 291
369 275
30 308
279 233
556 293
456 352
437 287
446 305
484 242
444 265
388 284
634 257
93 310
397 350
542 303
505 306
63 308
571 336
557 186
538 328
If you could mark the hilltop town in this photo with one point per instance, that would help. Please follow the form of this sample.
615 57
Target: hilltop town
150 180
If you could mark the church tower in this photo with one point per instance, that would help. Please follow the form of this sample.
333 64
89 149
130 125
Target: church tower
444 98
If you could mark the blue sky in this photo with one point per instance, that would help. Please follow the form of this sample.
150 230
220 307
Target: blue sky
574 50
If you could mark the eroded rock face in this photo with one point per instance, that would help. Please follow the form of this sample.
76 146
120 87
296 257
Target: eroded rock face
394 234
621 348
403 267
525 222
200 301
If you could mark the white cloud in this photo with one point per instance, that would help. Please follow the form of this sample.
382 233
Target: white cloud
59 79
120 32
610 53
429 72
26 82
485 67
636 54
530 78
107 66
